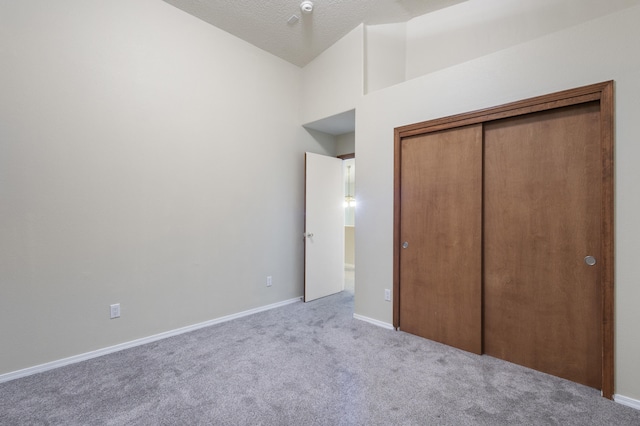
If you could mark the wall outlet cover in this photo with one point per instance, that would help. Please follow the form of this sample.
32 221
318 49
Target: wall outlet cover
115 310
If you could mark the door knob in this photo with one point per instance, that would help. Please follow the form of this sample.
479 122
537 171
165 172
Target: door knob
590 260
308 234
405 244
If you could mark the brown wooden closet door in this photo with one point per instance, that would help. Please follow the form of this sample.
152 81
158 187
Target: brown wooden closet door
440 268
542 302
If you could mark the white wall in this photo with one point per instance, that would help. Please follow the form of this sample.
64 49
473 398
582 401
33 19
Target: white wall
474 28
333 82
346 143
598 50
385 55
142 152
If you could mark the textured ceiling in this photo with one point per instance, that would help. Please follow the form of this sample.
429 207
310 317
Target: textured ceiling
263 23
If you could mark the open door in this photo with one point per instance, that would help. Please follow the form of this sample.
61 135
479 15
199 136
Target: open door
324 226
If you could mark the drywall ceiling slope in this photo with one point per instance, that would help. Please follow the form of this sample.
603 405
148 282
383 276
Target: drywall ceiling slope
264 23
335 125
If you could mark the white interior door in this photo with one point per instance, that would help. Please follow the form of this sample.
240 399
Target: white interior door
324 227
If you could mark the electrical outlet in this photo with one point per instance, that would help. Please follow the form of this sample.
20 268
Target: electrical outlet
387 295
269 281
115 310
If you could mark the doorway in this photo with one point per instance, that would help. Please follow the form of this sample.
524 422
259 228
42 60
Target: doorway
349 175
329 233
324 227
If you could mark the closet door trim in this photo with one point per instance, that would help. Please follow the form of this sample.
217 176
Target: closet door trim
602 92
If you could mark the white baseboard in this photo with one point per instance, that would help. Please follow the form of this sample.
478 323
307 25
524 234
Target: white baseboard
138 342
629 402
374 322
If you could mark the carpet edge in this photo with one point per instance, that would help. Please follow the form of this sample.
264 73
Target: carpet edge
41 368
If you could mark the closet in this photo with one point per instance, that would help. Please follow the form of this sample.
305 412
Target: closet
503 233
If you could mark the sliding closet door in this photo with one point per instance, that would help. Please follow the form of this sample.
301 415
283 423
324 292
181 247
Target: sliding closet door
542 218
440 258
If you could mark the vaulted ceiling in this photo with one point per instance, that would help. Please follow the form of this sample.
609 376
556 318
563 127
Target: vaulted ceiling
269 24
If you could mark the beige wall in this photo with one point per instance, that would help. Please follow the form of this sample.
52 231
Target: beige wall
333 82
142 152
349 245
595 51
122 122
346 143
473 29
385 55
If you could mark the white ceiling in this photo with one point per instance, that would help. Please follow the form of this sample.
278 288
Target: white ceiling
263 23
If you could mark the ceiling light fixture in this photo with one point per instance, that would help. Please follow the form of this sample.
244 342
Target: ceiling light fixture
306 6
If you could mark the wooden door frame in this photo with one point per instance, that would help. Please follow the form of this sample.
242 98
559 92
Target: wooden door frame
601 92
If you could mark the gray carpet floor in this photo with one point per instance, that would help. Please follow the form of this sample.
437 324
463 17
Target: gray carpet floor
302 364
